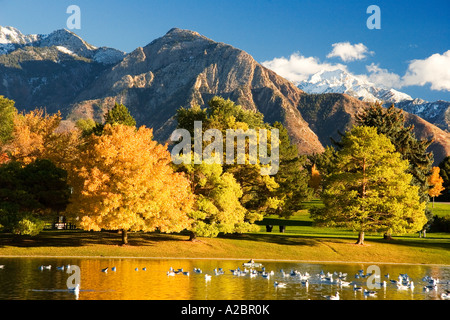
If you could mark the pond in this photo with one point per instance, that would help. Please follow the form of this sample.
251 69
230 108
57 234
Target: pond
148 279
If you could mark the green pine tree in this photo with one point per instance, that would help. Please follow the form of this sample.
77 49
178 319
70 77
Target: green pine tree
7 113
119 114
391 123
369 188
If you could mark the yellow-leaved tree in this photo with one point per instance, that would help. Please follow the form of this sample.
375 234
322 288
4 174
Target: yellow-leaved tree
123 180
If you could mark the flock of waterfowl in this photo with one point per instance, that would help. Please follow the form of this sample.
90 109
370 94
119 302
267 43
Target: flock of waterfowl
338 279
403 282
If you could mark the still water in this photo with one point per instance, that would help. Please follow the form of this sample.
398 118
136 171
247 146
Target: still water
142 279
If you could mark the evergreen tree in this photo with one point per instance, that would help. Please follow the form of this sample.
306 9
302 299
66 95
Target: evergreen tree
7 113
445 174
391 123
292 176
28 193
368 188
119 114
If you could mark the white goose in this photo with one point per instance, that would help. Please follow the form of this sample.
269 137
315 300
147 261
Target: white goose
445 295
279 284
45 267
343 283
335 297
207 277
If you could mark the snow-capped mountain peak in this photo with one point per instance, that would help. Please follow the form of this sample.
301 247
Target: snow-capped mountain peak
340 81
10 35
63 40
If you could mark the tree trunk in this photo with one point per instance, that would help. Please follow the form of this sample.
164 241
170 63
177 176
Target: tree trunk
192 236
124 237
387 236
360 238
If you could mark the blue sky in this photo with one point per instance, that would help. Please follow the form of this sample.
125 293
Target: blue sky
408 52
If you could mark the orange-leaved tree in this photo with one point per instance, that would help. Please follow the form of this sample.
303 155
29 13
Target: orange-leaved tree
123 180
435 181
36 135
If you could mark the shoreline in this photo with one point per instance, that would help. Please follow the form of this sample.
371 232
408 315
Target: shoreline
228 259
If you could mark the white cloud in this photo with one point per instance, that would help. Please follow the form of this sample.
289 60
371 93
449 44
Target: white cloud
382 77
434 70
349 52
298 68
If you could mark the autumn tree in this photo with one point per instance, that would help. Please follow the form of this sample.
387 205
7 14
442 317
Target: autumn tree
316 179
32 134
279 194
369 189
123 180
435 181
217 207
36 136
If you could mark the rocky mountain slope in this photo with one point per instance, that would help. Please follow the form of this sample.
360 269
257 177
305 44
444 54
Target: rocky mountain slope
331 113
61 72
184 68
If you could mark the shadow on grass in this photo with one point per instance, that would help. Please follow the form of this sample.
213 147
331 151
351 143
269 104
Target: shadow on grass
437 243
281 239
329 238
78 238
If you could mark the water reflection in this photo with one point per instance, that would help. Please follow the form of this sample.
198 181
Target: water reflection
142 279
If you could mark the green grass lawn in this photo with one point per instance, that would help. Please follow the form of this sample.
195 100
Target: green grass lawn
301 241
440 209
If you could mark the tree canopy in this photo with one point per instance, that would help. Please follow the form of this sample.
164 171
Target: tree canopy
369 188
123 180
29 193
259 195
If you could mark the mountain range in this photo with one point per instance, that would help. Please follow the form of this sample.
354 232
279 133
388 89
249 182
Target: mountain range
340 81
60 71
